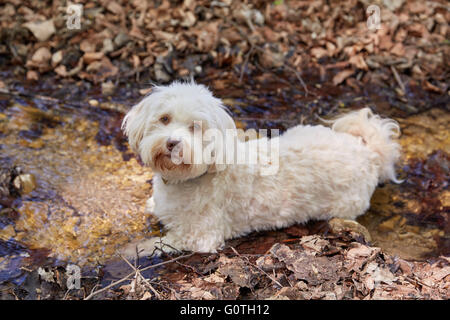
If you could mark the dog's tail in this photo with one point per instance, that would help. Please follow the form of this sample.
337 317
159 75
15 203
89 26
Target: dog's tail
377 134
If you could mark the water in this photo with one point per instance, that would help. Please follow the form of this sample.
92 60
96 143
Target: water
90 194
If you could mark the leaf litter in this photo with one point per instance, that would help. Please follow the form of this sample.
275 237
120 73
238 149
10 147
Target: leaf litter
254 45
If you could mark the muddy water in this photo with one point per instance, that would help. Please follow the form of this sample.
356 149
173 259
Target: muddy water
412 219
90 193
87 200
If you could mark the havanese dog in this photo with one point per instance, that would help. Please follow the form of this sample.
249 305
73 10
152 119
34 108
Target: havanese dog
210 185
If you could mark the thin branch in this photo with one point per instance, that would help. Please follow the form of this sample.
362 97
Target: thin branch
244 66
138 273
255 266
133 273
89 297
255 46
397 78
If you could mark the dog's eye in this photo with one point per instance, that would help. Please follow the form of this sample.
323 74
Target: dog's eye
164 119
195 126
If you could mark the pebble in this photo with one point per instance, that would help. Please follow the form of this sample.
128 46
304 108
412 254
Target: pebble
25 183
93 103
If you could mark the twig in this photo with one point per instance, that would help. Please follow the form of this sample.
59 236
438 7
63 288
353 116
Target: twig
167 262
297 74
397 78
166 287
255 266
244 66
417 281
138 273
132 273
89 297
254 46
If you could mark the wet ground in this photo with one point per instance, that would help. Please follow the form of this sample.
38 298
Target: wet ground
82 192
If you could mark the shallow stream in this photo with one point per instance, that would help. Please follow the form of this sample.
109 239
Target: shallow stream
85 193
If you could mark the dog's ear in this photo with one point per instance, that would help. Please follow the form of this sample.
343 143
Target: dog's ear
223 122
133 125
224 119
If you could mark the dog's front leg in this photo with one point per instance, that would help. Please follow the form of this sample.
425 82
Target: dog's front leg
205 239
150 205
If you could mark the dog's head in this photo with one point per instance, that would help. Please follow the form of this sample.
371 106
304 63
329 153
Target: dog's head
166 129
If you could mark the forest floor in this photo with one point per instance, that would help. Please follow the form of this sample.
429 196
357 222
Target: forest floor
275 64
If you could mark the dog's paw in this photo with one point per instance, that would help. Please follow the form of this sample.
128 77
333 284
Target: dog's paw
150 205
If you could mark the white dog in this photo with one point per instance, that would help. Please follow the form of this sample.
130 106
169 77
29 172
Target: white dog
322 172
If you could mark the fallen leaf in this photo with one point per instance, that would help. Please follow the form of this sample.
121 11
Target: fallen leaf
42 30
342 75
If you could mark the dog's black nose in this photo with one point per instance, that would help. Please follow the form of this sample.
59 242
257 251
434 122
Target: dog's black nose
171 144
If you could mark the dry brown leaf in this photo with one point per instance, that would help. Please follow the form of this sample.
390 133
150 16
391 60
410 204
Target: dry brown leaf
42 30
61 70
319 52
57 58
115 8
90 57
358 62
42 55
32 75
87 45
342 75
398 50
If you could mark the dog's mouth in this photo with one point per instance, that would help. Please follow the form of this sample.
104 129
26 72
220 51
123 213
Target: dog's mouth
162 161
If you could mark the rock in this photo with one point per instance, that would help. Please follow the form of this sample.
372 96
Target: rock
25 183
338 225
42 30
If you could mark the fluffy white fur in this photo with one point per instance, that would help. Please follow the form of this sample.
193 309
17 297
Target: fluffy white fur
323 172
